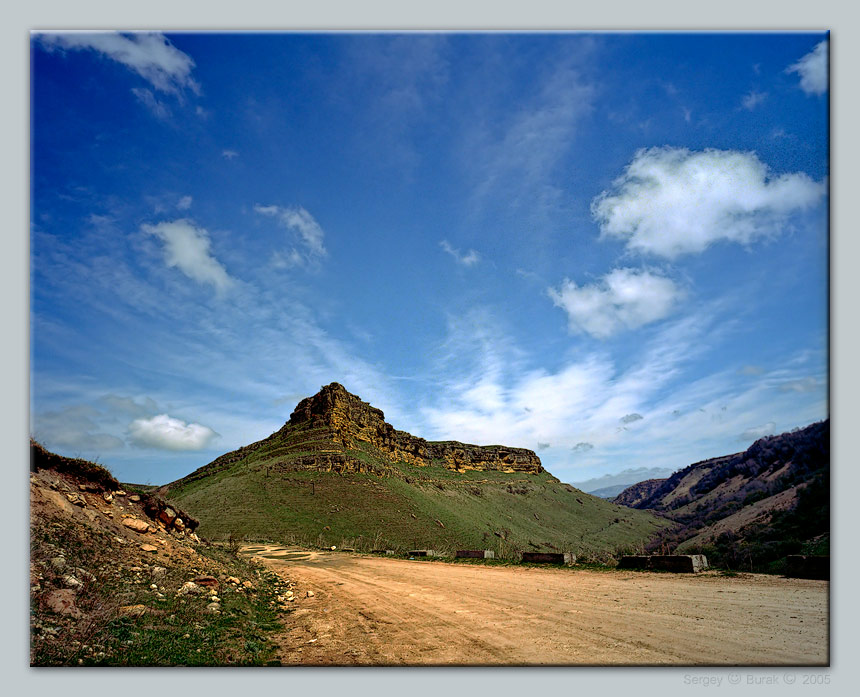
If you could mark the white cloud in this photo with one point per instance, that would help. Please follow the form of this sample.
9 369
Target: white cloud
187 247
756 432
470 258
624 299
166 433
150 55
812 69
671 201
159 109
753 99
184 203
308 231
229 154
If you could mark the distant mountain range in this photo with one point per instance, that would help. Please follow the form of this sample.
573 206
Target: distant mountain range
749 509
610 485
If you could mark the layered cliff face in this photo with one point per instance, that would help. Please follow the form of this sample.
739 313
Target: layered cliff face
349 421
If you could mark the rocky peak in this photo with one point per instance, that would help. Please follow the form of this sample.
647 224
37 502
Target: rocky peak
350 421
333 405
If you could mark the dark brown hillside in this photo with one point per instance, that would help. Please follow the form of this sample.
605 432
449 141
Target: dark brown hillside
768 501
637 493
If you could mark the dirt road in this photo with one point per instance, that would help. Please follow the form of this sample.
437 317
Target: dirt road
368 610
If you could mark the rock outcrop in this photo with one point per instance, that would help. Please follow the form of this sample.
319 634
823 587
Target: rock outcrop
347 420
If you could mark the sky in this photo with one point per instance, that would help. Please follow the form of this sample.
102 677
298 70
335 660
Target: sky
609 248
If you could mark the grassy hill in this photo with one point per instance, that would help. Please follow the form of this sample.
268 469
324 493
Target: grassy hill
312 483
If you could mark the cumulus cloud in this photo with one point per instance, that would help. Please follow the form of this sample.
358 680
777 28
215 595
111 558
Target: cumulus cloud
150 55
672 201
812 69
308 232
630 418
623 299
470 258
756 432
159 109
166 433
187 247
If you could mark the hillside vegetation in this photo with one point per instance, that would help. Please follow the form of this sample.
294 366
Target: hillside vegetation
324 481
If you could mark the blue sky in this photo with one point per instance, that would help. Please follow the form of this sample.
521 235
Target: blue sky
609 248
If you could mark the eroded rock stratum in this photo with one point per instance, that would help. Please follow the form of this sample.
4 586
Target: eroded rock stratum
351 422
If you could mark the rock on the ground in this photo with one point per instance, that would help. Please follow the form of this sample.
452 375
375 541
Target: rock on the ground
158 572
208 581
233 579
132 610
311 594
134 498
189 588
214 607
62 602
70 581
58 563
148 548
135 524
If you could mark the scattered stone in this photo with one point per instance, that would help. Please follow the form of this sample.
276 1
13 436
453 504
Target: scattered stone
70 581
333 548
136 525
148 548
119 492
58 563
310 594
440 523
133 610
153 586
107 496
189 588
158 572
62 602
179 525
214 599
248 585
167 516
77 500
83 573
134 498
233 579
413 515
326 528
214 607
208 581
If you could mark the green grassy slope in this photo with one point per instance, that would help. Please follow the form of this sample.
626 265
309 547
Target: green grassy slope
259 492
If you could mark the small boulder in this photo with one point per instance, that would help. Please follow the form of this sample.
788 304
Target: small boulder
77 500
58 563
179 524
134 498
136 525
167 516
233 579
132 610
311 594
119 492
248 585
189 588
70 581
158 572
214 607
208 581
148 548
62 602
107 496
